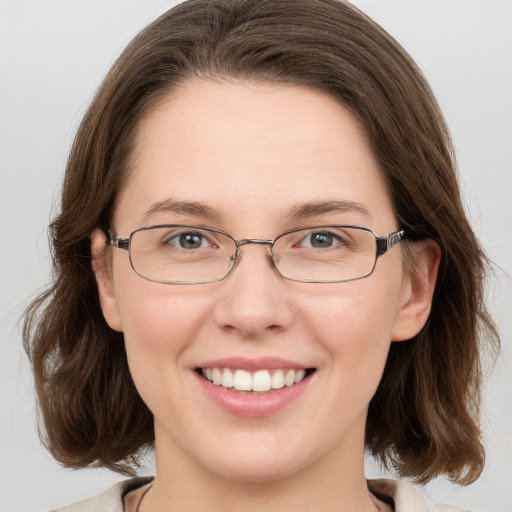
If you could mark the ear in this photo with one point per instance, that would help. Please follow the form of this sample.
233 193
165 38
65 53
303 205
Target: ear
418 290
103 274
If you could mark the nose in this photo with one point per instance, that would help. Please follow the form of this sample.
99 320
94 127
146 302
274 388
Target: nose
254 300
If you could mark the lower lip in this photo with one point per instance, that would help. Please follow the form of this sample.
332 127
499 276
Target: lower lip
257 405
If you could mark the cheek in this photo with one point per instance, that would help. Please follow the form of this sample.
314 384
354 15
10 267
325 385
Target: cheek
159 324
350 327
356 311
159 330
354 327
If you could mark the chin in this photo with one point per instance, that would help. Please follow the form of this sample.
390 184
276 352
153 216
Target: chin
255 472
254 461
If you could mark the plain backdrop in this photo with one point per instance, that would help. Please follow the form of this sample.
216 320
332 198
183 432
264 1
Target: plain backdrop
53 54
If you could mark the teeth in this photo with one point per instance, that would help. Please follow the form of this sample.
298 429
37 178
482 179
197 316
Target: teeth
260 381
216 376
299 376
242 381
227 378
278 380
289 380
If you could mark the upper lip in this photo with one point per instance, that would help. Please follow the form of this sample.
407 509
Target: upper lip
253 364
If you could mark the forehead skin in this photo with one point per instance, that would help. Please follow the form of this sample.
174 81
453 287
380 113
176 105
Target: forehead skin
234 144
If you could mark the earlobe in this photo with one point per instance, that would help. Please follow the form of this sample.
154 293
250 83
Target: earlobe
103 276
418 291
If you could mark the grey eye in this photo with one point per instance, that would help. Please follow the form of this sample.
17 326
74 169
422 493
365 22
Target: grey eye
189 240
320 240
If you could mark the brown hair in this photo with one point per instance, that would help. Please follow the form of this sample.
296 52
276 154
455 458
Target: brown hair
423 419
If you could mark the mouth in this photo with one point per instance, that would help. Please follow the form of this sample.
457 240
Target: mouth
254 388
256 382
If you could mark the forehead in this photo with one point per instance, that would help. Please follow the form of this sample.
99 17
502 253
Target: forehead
251 147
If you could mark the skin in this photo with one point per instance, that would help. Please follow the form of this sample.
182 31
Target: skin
252 152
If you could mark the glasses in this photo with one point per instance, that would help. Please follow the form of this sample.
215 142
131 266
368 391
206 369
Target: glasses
181 254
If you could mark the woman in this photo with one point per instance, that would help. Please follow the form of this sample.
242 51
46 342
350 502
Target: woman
263 267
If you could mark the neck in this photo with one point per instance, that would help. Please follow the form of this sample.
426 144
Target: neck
335 482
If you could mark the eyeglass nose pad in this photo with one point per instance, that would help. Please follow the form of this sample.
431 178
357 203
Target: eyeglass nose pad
235 257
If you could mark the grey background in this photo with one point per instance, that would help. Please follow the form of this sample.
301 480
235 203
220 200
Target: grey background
53 55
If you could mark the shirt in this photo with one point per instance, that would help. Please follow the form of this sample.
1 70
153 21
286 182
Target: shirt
400 495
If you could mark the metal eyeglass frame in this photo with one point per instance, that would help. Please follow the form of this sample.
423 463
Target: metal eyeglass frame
382 244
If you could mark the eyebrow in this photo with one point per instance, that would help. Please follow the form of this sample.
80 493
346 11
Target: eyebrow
297 212
317 208
193 208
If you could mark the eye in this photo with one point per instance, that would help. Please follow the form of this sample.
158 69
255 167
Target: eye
189 240
321 240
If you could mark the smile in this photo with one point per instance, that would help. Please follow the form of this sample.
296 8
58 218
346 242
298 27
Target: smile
254 388
260 381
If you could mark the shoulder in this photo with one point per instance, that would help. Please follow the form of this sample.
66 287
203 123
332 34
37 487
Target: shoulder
406 497
109 501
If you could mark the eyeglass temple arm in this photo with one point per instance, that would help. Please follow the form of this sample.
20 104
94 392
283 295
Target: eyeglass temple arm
385 243
120 243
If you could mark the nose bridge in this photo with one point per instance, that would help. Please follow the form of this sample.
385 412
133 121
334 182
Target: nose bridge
253 301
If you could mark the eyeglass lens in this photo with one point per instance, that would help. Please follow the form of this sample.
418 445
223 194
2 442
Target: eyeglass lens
188 254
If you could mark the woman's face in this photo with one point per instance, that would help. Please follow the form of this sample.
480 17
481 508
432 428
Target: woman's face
256 160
